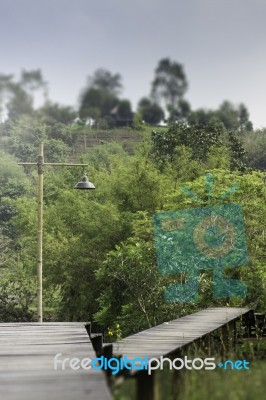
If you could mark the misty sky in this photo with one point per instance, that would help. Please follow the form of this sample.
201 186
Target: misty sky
221 44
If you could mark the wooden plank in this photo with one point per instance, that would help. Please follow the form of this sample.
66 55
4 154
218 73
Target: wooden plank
167 338
27 352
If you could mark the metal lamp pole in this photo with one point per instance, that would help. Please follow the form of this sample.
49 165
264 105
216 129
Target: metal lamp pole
84 184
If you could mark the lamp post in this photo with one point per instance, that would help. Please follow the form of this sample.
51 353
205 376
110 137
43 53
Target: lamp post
83 184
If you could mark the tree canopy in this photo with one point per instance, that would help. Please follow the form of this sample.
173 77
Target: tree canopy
150 111
101 94
170 84
99 251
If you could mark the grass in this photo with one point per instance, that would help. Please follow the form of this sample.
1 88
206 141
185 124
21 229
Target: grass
218 384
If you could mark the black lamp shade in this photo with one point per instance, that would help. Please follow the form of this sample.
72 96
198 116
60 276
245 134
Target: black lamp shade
85 184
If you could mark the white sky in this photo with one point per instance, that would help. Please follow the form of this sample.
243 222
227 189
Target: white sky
221 44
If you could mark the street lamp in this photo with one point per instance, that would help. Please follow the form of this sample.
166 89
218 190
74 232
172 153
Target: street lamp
83 184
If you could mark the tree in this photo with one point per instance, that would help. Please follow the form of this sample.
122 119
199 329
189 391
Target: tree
198 138
16 296
17 96
97 104
181 112
136 184
33 80
238 153
170 83
201 140
20 103
101 94
150 111
243 117
100 157
250 194
78 231
201 117
230 116
100 244
106 81
255 145
13 183
56 150
132 287
124 109
5 81
52 113
22 137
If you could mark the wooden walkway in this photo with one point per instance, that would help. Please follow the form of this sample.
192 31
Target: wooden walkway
167 338
27 352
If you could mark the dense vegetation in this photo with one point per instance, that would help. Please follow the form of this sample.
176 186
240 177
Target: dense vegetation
99 255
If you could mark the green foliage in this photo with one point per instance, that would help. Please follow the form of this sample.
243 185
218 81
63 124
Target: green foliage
170 83
136 185
78 231
199 139
67 133
124 109
17 96
99 255
21 138
96 103
255 145
13 183
150 112
52 113
56 150
16 296
237 152
251 195
100 157
202 142
132 288
230 116
33 80
101 95
180 112
106 81
9 170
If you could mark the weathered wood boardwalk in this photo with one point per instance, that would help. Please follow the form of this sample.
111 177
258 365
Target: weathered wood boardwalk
167 338
27 352
170 337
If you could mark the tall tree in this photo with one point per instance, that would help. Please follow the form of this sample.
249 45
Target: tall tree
243 117
17 97
33 80
170 83
231 116
124 108
150 111
181 112
101 94
255 145
52 113
106 81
